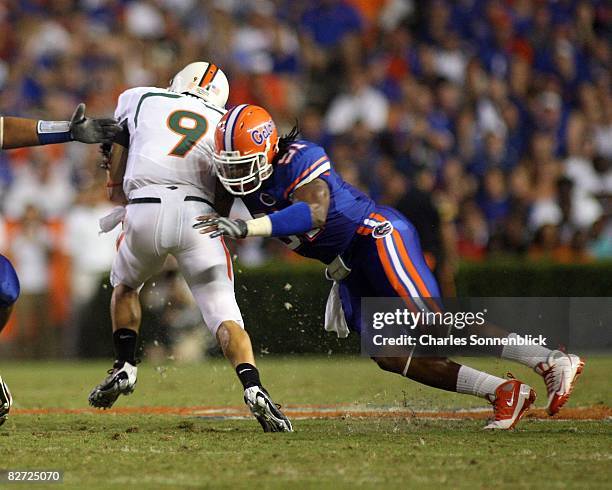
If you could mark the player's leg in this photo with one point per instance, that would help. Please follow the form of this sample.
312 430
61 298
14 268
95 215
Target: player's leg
207 268
126 316
510 398
9 292
214 293
444 374
236 346
235 343
377 277
558 369
394 265
138 258
437 372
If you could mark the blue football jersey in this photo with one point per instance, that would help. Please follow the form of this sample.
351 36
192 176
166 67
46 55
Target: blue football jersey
302 163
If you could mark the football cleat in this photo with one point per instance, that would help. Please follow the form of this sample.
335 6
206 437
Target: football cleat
266 412
560 372
510 402
120 381
6 400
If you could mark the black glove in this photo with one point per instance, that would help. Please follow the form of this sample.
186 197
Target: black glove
88 130
219 226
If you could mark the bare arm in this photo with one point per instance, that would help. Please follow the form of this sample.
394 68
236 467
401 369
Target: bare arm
316 195
17 132
115 171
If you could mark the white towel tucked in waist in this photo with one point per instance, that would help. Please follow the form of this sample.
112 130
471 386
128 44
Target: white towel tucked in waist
112 219
334 314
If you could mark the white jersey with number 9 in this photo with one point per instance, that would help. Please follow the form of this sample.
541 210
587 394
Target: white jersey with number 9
169 180
171 139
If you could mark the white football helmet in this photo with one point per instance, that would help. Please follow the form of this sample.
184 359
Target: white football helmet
204 80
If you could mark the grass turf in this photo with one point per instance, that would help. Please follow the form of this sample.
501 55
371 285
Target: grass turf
170 451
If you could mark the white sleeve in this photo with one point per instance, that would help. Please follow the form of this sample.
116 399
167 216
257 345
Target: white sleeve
128 102
124 104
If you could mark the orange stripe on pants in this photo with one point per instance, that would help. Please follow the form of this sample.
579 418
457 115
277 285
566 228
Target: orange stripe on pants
392 276
412 271
228 259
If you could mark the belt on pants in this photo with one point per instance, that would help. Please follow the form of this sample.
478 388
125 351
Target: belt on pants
150 200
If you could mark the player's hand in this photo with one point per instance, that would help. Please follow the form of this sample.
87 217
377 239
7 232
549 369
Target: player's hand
88 130
219 226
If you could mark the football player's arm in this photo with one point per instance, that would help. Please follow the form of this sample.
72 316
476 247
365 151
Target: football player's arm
309 211
114 160
18 132
115 170
316 195
115 154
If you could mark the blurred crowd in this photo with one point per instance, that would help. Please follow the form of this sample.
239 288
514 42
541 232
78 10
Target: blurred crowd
489 121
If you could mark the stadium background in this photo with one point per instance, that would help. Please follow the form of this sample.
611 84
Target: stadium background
488 123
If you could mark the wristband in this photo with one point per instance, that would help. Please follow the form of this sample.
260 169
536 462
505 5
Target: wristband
51 132
293 220
259 226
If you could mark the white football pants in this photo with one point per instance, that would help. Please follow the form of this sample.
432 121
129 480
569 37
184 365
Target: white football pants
154 230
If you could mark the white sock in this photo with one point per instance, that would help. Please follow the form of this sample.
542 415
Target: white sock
530 355
478 383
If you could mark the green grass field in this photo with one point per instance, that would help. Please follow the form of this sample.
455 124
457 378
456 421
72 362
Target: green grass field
156 450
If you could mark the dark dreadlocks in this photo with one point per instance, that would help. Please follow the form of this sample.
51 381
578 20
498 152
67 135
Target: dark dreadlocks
285 141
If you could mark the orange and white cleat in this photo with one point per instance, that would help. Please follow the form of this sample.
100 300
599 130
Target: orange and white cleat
560 372
510 402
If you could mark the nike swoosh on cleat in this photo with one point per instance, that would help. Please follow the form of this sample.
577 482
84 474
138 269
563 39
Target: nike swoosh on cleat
511 401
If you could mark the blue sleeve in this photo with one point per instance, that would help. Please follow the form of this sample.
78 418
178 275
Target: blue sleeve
293 220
